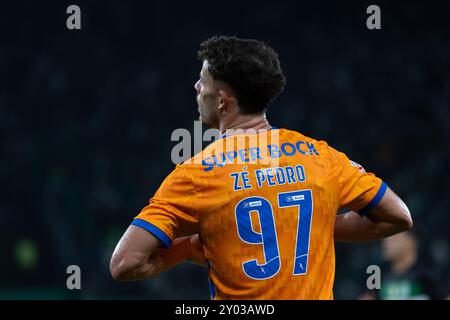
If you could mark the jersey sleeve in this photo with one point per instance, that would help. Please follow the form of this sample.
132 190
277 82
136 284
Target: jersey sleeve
170 213
359 190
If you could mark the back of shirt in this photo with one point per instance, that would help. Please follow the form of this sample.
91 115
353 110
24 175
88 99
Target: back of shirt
264 205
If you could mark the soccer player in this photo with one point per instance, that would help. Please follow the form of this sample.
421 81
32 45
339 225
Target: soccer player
263 218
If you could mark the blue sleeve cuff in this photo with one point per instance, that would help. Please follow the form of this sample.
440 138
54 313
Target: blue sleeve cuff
373 203
153 230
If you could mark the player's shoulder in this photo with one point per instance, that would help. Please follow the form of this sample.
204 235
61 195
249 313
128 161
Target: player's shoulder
193 167
323 148
218 151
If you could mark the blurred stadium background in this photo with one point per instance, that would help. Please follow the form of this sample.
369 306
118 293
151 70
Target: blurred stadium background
86 118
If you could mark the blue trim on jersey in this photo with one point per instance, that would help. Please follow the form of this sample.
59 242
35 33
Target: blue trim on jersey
373 203
153 230
212 288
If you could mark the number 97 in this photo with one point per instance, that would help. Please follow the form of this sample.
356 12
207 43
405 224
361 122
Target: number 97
268 236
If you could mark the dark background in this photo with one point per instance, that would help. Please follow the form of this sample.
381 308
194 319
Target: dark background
86 118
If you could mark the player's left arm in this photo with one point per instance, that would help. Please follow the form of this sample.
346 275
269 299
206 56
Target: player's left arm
390 216
138 255
378 212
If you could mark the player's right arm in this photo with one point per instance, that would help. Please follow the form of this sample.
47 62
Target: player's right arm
170 218
390 216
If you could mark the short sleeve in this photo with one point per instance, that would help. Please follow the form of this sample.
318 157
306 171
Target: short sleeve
359 190
170 213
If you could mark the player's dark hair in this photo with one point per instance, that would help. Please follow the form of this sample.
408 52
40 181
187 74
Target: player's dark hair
251 68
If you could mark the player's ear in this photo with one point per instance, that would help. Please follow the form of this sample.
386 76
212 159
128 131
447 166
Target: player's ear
225 99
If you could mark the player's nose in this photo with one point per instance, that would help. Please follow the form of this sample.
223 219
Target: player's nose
197 86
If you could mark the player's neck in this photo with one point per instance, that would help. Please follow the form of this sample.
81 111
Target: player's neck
405 263
246 122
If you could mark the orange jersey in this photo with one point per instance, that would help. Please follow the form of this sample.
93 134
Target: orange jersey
265 214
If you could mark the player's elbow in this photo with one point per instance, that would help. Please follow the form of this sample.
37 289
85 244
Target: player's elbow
116 268
405 221
128 268
121 268
408 223
118 275
393 211
405 224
